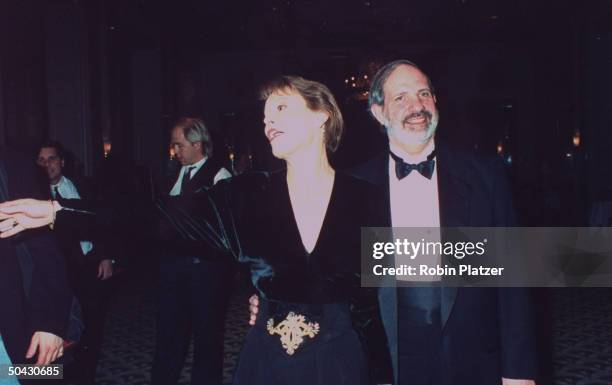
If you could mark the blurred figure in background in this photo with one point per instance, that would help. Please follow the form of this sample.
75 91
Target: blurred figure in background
87 262
193 290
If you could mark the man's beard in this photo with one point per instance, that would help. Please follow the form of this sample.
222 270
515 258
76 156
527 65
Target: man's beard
411 137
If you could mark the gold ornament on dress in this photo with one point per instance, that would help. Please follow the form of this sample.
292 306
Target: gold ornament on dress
292 331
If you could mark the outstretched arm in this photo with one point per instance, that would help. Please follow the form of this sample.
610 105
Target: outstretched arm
208 216
22 214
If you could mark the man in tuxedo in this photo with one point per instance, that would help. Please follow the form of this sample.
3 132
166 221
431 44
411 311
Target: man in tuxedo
86 261
33 289
443 335
192 289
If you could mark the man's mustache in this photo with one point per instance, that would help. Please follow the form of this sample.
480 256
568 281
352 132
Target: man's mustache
420 114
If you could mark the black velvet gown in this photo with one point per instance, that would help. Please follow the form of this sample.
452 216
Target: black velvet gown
320 286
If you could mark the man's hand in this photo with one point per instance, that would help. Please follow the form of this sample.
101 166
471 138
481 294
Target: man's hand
508 381
105 269
49 347
253 308
22 214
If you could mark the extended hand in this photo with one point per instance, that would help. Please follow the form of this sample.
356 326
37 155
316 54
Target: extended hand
49 347
22 214
105 269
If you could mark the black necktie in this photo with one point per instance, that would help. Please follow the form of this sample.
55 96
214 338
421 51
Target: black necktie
186 179
58 196
425 168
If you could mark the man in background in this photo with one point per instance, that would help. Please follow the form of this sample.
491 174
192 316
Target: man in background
193 286
86 261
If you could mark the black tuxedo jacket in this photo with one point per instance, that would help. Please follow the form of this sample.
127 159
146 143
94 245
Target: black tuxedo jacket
47 306
487 333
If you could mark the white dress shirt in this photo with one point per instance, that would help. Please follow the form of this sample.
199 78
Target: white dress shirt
414 199
68 190
414 203
220 175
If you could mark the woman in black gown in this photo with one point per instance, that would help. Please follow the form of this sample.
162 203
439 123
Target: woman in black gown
299 231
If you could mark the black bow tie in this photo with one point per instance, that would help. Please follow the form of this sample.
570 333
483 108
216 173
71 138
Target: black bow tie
425 168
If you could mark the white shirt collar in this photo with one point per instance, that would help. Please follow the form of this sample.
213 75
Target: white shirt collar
66 188
196 166
63 180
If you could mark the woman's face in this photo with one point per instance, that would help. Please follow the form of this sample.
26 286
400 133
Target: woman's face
290 125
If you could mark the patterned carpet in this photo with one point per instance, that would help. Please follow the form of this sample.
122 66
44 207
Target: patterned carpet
581 335
129 341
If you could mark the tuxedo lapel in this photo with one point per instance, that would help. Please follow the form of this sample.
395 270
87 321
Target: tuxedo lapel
387 296
453 191
455 200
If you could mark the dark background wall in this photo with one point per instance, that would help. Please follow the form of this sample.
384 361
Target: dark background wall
526 75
